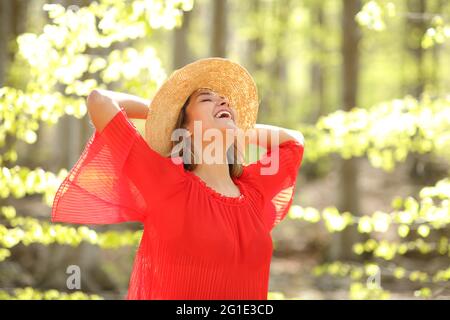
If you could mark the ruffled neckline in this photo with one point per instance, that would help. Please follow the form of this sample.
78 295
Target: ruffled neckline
219 196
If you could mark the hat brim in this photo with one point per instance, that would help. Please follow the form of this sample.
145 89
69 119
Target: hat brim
219 74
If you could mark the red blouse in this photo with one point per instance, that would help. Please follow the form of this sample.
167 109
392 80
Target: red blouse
197 243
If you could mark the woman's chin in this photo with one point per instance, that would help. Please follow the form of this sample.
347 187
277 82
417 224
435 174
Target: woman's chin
224 124
225 127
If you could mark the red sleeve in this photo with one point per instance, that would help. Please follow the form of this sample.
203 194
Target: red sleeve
276 173
108 182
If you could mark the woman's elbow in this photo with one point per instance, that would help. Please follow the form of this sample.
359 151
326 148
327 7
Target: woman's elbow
295 135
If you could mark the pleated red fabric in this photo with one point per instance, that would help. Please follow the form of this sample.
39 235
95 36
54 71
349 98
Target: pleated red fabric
197 243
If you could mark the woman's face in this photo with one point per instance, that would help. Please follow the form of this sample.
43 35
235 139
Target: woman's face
214 111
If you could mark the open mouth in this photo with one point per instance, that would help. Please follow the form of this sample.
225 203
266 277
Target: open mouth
224 114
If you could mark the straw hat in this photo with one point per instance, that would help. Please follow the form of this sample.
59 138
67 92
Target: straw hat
218 74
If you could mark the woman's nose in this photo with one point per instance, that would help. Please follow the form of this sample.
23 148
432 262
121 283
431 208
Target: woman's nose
223 100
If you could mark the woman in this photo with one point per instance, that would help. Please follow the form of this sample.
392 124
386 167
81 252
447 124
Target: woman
206 223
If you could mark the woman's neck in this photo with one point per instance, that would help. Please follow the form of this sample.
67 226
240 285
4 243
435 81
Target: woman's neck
217 174
217 177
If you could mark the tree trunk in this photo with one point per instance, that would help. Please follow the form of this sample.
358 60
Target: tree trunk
348 191
181 52
219 26
317 70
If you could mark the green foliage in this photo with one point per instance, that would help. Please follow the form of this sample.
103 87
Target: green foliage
28 230
29 293
357 272
65 55
386 133
361 291
436 33
276 295
431 211
375 14
388 250
19 182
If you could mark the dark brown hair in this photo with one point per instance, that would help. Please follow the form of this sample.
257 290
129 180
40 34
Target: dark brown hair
235 167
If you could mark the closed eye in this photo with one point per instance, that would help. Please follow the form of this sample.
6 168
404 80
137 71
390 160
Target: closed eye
206 100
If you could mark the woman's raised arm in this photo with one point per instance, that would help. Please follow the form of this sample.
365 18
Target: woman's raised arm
103 105
269 136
